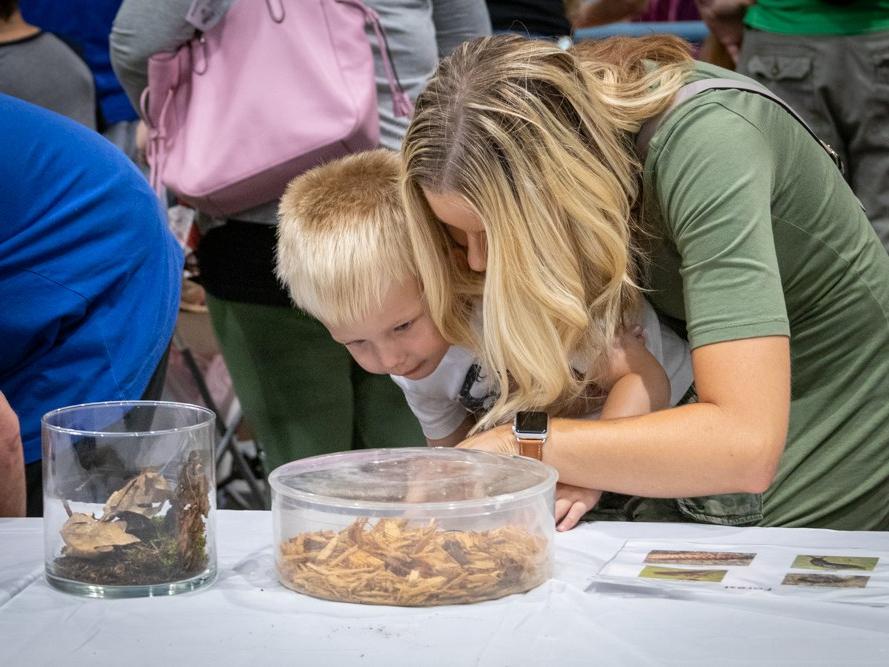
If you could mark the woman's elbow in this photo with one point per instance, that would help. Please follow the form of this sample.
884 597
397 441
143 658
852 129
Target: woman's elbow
760 481
762 468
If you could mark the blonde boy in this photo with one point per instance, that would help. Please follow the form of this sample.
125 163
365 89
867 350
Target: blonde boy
345 257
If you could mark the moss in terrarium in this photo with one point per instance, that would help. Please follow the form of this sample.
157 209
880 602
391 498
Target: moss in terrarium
153 562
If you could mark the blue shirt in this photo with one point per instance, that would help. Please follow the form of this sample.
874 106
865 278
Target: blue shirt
86 24
89 273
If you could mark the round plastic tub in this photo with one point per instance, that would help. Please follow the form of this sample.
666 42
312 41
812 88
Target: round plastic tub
413 526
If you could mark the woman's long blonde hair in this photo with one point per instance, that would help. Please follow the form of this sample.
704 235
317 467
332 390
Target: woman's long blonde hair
538 142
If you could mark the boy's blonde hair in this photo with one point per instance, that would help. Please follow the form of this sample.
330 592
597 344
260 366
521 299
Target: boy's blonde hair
342 238
538 143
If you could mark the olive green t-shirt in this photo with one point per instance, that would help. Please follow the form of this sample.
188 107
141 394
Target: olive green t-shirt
817 17
757 234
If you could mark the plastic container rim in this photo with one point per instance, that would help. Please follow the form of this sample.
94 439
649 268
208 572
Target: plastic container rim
209 414
321 501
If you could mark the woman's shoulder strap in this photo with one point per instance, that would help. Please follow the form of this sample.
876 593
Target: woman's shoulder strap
649 127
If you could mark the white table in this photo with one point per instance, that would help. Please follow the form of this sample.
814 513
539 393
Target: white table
247 618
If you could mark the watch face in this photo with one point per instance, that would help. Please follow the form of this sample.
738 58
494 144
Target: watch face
531 423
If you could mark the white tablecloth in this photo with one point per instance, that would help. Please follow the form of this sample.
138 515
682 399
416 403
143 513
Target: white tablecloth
247 618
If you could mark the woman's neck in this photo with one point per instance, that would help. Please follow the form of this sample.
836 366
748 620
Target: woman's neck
15 28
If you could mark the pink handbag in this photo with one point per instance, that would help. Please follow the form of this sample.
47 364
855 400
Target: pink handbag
272 89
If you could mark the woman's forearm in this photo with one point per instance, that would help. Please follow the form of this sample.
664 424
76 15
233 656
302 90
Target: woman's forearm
691 450
731 441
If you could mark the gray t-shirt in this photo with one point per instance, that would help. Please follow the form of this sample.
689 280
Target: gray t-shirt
43 70
418 33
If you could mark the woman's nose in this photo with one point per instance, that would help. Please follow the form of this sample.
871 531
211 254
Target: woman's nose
477 251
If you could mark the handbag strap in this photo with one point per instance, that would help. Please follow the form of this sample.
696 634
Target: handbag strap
401 103
155 150
649 127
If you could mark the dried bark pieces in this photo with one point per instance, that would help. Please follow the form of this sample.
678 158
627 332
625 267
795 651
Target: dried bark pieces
192 504
396 564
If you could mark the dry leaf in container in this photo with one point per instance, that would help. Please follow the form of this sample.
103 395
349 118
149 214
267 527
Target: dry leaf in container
144 494
87 537
393 563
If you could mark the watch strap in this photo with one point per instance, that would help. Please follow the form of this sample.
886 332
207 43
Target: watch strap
532 448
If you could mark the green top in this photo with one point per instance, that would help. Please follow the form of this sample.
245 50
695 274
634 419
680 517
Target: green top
757 234
817 17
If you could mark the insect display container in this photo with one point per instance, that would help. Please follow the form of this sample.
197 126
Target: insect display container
129 498
413 526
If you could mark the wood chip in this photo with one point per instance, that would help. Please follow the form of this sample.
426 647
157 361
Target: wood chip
395 563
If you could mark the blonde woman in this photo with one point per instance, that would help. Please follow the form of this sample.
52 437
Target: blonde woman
522 180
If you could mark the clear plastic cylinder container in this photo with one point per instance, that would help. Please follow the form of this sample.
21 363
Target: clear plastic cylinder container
129 498
413 526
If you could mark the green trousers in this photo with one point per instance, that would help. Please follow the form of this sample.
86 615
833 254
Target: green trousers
301 392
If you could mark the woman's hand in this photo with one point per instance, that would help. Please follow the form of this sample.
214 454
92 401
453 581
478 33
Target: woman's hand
572 502
498 440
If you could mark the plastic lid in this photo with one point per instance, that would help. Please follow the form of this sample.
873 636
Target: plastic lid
414 477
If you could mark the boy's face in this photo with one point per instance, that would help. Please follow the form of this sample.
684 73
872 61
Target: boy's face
398 339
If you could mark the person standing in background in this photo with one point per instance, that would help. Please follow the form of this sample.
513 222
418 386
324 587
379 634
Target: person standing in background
85 25
89 280
828 59
38 67
301 392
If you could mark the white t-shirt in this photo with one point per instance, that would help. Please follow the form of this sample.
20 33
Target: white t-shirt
458 387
